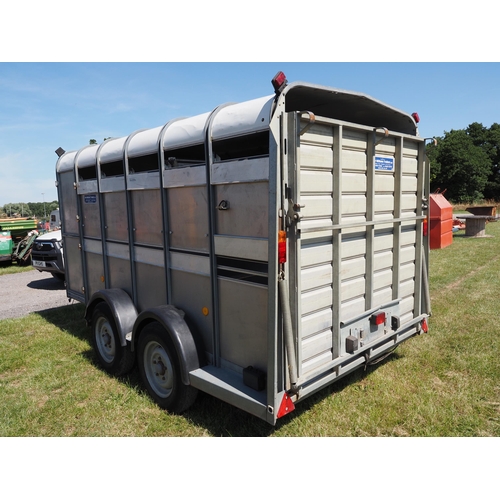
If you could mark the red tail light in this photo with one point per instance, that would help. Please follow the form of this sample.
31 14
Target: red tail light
425 227
281 247
377 319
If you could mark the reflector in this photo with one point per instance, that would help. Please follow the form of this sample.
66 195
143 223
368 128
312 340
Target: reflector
425 327
281 247
286 406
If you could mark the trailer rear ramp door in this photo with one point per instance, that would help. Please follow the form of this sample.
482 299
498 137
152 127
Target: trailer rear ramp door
354 204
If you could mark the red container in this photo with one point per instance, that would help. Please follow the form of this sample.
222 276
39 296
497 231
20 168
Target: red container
441 222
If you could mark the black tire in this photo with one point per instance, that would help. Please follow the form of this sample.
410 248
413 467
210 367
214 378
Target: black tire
160 371
113 357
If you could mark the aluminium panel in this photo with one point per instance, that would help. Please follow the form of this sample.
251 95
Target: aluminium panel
185 176
242 248
192 293
115 216
243 170
73 264
95 273
143 180
91 219
119 273
110 184
188 218
147 217
247 212
243 323
69 202
151 285
87 187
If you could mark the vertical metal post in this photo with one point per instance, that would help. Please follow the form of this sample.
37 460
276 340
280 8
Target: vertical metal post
292 126
419 242
130 219
370 211
398 194
80 228
164 210
336 238
211 229
102 215
275 382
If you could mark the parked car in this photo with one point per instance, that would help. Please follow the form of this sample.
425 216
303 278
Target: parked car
47 254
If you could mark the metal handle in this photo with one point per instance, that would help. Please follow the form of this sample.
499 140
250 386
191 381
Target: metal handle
386 134
312 119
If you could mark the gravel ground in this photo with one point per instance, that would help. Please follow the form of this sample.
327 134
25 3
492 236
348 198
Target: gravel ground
23 293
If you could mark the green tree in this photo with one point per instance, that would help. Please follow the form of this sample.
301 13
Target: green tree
16 210
461 164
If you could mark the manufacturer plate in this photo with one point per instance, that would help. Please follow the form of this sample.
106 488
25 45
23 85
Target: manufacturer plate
384 163
38 263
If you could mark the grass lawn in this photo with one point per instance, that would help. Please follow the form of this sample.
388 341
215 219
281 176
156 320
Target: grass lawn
8 268
444 383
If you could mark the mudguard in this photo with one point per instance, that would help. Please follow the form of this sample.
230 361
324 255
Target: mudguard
121 305
172 319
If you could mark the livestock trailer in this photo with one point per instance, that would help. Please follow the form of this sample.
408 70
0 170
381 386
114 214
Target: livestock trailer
256 252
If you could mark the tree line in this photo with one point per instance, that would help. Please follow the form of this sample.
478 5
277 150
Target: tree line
466 164
39 210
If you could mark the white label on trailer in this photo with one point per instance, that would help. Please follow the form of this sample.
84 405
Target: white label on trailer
90 198
384 163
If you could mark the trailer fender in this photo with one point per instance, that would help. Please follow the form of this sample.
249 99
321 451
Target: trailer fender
172 320
121 305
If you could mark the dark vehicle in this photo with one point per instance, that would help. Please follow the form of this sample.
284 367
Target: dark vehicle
47 254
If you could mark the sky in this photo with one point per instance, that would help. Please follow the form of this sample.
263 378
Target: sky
74 72
46 105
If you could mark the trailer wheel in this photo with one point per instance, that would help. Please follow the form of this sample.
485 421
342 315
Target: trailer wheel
113 357
160 371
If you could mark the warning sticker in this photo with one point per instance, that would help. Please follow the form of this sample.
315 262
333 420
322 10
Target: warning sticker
384 163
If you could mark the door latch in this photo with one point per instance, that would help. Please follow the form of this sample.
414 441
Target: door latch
223 205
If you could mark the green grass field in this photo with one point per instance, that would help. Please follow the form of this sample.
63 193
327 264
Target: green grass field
444 383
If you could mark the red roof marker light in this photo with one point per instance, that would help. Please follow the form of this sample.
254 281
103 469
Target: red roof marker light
279 82
415 117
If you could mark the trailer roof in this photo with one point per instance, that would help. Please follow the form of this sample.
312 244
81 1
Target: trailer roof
248 117
347 106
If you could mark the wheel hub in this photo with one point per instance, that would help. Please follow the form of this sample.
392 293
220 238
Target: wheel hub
105 340
161 369
158 368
